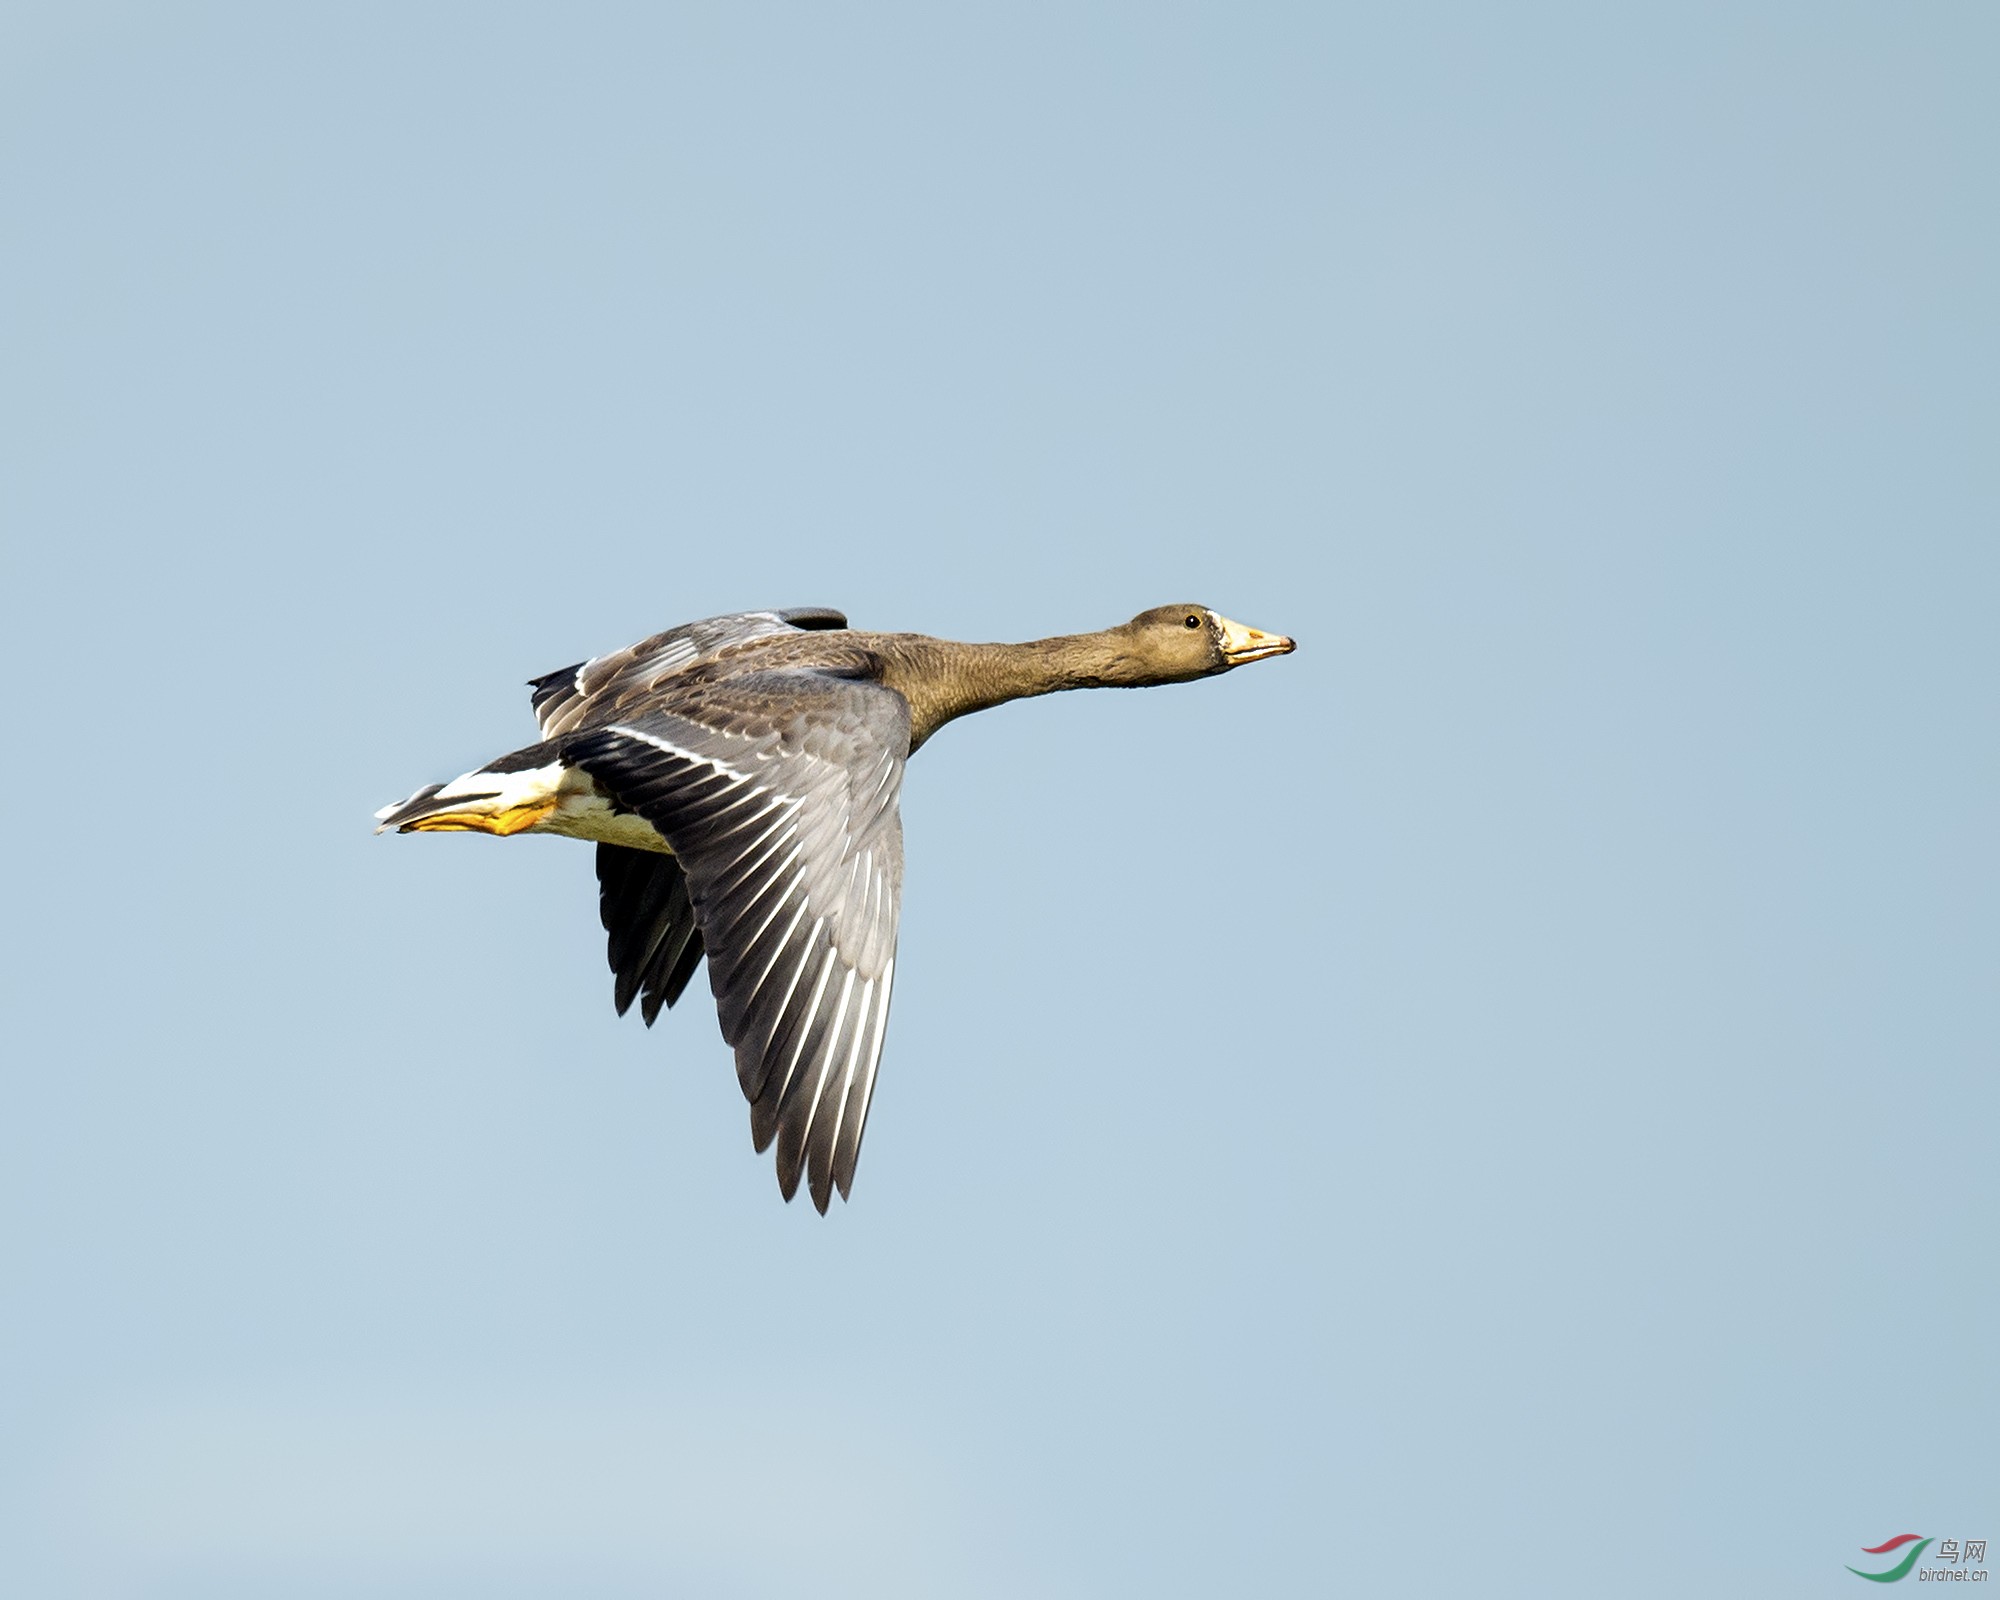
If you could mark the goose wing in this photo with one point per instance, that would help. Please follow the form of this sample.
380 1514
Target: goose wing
653 944
593 691
652 940
777 791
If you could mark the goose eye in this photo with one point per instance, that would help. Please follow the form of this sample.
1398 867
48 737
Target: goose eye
1194 622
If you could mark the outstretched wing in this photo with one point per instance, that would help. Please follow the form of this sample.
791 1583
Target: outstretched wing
793 853
596 690
653 943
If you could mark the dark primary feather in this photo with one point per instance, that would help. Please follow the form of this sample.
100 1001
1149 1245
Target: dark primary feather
654 944
777 791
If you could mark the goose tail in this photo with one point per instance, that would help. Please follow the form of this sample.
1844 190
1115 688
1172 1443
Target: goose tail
504 797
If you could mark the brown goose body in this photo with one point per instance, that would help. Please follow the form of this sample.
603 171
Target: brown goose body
740 777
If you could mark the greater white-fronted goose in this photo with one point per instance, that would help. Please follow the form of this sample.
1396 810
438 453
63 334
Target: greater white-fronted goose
739 776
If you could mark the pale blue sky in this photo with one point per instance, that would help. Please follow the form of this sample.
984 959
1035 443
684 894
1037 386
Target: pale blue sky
1501 1101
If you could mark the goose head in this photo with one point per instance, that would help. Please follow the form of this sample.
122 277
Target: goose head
1175 643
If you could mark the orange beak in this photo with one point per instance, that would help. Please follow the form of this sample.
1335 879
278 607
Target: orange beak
1241 644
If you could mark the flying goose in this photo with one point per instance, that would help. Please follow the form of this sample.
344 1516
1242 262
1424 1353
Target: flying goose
739 776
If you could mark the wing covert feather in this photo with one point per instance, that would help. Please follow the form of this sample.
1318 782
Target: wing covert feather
600 689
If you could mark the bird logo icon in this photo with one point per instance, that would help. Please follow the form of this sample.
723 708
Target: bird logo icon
1901 1569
